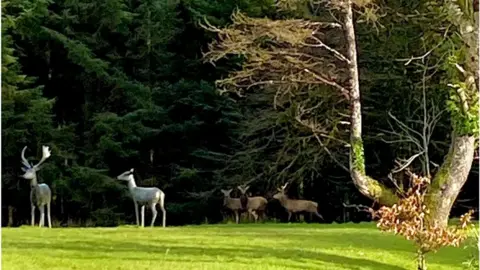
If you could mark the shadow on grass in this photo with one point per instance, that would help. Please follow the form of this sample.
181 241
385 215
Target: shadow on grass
287 257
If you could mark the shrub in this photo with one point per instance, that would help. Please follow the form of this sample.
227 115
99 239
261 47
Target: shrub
409 218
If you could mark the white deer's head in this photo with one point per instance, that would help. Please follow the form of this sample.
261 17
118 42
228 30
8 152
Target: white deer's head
30 170
126 176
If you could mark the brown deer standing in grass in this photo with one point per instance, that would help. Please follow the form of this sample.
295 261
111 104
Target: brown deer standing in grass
296 206
254 205
231 203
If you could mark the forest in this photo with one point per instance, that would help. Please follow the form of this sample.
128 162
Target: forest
203 95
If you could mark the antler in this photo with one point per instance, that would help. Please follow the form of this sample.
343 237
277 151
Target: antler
45 154
243 188
284 186
24 160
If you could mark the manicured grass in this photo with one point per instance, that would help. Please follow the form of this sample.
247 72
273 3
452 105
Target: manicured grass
227 246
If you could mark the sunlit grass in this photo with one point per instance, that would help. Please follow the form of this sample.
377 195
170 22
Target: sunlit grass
227 246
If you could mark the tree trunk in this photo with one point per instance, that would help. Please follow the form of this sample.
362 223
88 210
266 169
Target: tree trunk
421 263
10 216
450 178
365 184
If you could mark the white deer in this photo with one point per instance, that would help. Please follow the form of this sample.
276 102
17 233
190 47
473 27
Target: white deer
145 196
40 194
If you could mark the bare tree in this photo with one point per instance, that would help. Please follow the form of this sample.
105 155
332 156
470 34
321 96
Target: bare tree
408 132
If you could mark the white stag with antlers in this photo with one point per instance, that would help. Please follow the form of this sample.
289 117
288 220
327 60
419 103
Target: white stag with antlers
40 194
296 206
254 205
145 196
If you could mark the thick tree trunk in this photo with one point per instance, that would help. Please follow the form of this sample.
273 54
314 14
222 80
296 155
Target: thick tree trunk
450 178
365 184
454 171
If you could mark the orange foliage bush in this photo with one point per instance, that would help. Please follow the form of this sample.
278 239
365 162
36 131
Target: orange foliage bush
409 218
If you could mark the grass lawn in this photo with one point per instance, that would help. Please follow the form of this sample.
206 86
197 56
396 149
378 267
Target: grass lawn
226 246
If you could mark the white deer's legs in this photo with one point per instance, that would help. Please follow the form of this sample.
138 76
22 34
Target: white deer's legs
136 212
154 213
42 216
164 216
48 216
289 216
142 210
33 214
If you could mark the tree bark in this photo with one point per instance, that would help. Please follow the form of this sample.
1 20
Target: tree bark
365 184
450 179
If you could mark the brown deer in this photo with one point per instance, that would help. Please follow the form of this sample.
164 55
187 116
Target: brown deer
254 205
231 203
296 206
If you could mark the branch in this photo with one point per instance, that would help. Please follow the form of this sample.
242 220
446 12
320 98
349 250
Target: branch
342 89
403 126
330 154
361 208
323 45
406 162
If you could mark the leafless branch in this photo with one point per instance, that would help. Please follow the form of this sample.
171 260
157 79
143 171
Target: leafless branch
361 208
320 44
406 163
330 154
342 89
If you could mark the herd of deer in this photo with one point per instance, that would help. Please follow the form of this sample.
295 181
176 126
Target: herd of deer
256 206
41 196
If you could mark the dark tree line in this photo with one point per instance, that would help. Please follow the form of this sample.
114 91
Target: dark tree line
117 84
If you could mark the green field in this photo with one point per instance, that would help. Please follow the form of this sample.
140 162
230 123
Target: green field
227 246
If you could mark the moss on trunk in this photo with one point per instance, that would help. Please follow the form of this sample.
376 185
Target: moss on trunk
449 180
358 160
365 184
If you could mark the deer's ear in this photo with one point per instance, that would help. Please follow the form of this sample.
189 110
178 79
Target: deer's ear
279 189
24 169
